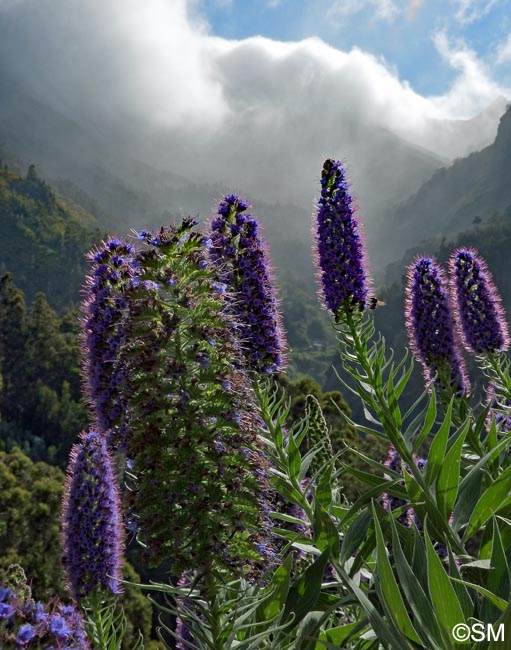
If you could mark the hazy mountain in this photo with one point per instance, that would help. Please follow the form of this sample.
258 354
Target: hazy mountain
468 191
43 238
131 176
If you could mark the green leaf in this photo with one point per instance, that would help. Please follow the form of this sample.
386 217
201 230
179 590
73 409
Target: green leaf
279 588
449 477
429 421
438 446
425 618
304 593
324 489
464 597
443 596
498 577
492 500
336 636
294 459
500 603
505 619
325 533
387 634
392 599
354 535
469 493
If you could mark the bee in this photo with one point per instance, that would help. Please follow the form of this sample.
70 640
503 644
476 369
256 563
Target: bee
374 302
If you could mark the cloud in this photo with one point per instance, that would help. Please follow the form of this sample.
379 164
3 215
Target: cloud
469 11
504 51
383 9
259 115
473 87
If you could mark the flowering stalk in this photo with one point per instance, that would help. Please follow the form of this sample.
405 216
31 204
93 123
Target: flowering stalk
199 475
478 306
431 328
91 520
340 250
318 435
103 309
241 259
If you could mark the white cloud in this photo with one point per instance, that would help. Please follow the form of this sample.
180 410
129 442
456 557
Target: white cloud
469 11
383 9
472 88
504 51
253 113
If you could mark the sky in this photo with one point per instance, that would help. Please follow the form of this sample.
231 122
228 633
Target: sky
425 41
255 94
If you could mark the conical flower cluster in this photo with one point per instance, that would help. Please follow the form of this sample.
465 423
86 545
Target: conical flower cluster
200 476
340 255
103 309
91 520
430 325
478 306
238 252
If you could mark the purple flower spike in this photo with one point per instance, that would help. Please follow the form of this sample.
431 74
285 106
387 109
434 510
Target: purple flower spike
340 253
430 325
112 266
240 254
478 306
91 519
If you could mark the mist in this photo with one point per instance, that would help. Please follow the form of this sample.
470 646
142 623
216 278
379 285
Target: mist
150 81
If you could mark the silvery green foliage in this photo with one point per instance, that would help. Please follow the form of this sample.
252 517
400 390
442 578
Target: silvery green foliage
198 487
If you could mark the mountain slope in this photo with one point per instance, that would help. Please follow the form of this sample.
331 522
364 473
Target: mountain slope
471 188
43 238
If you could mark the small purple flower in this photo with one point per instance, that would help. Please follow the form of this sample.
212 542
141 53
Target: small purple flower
219 287
340 252
430 325
478 306
58 627
391 503
92 525
5 594
25 634
499 410
39 614
6 611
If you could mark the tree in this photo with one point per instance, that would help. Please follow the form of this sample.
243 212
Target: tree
12 348
29 520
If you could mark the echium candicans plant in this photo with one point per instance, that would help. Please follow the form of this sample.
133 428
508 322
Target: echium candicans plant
199 475
240 256
103 311
393 582
91 520
430 326
413 594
